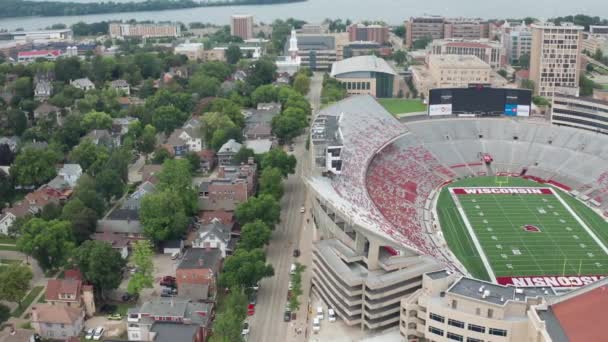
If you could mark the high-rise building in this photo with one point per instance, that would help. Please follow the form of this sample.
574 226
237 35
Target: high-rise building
517 40
555 58
491 52
368 33
465 28
242 26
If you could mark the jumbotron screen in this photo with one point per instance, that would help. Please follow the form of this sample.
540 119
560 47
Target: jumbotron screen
480 99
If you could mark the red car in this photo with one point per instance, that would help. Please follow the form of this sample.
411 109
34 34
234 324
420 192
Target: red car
168 281
250 309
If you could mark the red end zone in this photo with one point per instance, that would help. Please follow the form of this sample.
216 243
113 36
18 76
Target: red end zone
502 191
552 281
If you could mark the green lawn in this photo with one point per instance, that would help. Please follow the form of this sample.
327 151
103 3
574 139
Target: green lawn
25 303
400 106
10 261
7 240
562 246
8 248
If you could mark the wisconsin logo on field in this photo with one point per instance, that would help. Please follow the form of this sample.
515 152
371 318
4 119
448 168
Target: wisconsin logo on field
532 229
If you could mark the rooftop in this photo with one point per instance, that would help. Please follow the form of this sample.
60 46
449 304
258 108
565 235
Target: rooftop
259 146
457 61
231 146
496 294
362 63
47 313
200 258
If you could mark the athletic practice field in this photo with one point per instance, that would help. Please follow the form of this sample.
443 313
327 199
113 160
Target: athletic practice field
516 231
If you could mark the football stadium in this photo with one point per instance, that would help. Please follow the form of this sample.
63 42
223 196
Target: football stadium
506 199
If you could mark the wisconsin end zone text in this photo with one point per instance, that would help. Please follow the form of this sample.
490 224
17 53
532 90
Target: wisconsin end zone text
502 191
552 281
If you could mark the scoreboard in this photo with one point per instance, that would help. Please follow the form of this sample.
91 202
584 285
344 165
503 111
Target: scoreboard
480 99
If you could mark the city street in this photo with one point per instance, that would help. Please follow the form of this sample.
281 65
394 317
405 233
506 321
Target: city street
267 324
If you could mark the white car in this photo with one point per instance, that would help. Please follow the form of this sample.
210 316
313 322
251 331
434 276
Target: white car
245 330
290 286
98 333
302 210
316 325
331 315
320 314
89 334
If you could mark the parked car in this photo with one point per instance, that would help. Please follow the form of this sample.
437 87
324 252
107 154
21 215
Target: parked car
128 297
290 287
320 314
296 253
287 316
245 330
115 317
316 325
292 269
168 281
168 292
256 287
302 210
331 315
250 310
89 334
253 298
98 333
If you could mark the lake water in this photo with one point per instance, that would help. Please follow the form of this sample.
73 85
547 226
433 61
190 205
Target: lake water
314 11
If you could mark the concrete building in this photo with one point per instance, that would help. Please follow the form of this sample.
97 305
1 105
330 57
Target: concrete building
242 26
366 75
368 33
455 308
194 51
592 43
291 62
491 52
436 27
316 51
517 40
122 30
555 58
354 49
38 36
30 56
598 30
170 320
233 185
583 113
458 71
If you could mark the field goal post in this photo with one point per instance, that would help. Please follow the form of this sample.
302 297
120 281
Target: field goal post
501 180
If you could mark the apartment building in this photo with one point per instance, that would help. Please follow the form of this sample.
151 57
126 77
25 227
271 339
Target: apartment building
241 26
122 30
583 113
194 51
555 58
491 52
368 33
436 27
450 307
517 40
450 71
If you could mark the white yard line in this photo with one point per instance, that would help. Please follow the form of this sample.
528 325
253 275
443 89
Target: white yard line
581 222
465 219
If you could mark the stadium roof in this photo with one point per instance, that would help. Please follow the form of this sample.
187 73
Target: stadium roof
575 316
362 63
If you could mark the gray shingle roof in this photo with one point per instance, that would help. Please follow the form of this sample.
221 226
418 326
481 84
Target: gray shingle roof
200 258
231 146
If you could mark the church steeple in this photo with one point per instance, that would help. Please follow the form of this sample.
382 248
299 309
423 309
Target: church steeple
293 45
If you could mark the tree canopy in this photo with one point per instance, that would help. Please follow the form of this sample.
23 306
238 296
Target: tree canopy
100 264
51 243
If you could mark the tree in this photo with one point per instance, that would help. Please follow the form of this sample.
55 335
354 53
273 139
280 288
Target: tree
254 235
233 54
142 259
204 85
33 167
67 69
82 219
502 72
6 187
194 160
264 94
163 216
302 83
263 207
5 311
17 121
216 69
271 182
86 191
23 88
147 140
51 243
524 61
261 72
160 155
15 282
168 118
227 325
277 158
88 155
421 43
400 57
96 120
176 176
286 127
243 155
245 268
100 264
222 135
527 84
51 211
110 184
399 31
6 155
586 85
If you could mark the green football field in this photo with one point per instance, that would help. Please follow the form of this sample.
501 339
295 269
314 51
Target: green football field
522 234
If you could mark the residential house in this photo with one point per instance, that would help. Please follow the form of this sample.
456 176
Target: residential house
172 247
207 158
149 172
233 185
215 235
66 178
70 292
124 219
258 121
84 84
101 137
12 142
170 320
227 152
46 110
119 242
120 126
57 322
197 273
121 86
182 141
43 90
32 204
224 217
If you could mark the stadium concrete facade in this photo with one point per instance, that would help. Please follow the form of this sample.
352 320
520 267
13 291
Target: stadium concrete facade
379 240
584 113
366 75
